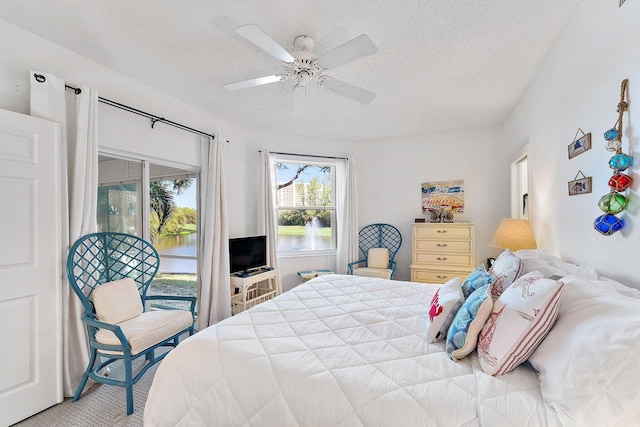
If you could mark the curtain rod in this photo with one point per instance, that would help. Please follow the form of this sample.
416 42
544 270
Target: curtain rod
307 155
154 119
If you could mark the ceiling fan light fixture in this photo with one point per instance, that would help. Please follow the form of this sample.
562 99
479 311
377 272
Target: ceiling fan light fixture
303 78
305 66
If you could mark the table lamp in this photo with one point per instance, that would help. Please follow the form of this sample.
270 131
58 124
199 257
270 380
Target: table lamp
514 234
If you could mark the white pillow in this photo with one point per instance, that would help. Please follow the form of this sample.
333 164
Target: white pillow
538 264
506 270
548 261
117 301
588 365
444 306
378 258
521 318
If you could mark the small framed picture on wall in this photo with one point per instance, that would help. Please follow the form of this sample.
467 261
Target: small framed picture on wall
579 145
580 185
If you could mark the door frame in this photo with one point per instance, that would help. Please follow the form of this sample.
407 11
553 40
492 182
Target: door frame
519 182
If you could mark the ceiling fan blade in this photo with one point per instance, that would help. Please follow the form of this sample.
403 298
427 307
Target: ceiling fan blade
300 104
256 82
352 50
258 37
348 90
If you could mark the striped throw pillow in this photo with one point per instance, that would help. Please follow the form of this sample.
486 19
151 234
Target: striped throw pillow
522 316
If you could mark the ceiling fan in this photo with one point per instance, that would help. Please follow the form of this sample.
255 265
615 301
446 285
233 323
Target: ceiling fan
306 67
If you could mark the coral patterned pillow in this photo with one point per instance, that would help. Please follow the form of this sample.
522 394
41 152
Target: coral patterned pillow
444 306
477 279
506 269
522 316
468 322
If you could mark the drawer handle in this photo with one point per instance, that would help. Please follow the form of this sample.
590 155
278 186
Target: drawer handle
442 245
442 258
441 277
441 231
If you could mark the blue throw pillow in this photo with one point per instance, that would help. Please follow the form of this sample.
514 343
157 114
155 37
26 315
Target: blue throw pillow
477 279
462 337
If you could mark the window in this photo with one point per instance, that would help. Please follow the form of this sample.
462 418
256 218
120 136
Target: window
158 203
306 209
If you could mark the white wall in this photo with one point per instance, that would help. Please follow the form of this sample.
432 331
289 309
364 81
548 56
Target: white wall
578 86
119 130
390 173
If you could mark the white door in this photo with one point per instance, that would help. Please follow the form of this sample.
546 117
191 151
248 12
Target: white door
30 281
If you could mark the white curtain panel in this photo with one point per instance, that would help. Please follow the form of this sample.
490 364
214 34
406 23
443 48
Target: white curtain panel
78 117
214 294
347 214
267 219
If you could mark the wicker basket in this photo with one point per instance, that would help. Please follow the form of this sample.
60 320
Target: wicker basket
254 297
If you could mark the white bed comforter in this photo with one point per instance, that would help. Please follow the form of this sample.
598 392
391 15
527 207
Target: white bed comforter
336 351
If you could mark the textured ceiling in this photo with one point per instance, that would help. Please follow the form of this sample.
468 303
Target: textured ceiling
441 64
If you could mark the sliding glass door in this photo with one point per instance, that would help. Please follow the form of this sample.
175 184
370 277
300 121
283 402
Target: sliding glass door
158 203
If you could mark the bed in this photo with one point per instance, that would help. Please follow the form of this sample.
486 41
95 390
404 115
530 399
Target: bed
351 351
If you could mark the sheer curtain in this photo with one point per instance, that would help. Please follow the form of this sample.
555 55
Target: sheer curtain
214 295
267 220
78 117
347 214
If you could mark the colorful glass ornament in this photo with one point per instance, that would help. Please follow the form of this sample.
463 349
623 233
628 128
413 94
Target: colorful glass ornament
611 134
608 224
612 203
621 162
614 145
620 182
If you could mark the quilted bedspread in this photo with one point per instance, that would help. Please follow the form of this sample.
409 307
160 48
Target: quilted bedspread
336 351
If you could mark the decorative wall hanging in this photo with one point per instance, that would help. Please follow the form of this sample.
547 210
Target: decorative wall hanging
615 202
442 197
580 144
580 185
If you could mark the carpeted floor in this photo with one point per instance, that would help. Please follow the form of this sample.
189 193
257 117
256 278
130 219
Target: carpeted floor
101 405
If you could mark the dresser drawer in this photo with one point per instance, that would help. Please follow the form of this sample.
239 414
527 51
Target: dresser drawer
437 260
437 277
442 245
443 232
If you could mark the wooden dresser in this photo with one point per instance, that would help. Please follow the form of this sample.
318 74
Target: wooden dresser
442 251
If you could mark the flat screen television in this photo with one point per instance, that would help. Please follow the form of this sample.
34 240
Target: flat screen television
246 253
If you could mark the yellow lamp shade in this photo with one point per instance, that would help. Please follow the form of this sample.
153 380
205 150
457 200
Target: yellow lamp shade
514 234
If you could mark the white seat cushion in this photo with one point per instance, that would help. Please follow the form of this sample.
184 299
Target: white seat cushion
378 258
117 301
382 273
147 329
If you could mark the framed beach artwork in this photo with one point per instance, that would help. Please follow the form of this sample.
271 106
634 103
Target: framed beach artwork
443 196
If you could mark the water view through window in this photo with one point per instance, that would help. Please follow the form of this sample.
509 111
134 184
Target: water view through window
171 217
173 225
306 211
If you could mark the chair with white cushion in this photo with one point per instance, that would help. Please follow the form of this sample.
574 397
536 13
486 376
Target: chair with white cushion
111 273
379 244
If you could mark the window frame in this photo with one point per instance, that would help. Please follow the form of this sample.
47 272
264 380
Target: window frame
314 161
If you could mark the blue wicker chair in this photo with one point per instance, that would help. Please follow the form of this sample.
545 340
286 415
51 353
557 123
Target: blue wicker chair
111 273
379 244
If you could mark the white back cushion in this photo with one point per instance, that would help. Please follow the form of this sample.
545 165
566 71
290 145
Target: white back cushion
378 258
117 301
588 365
